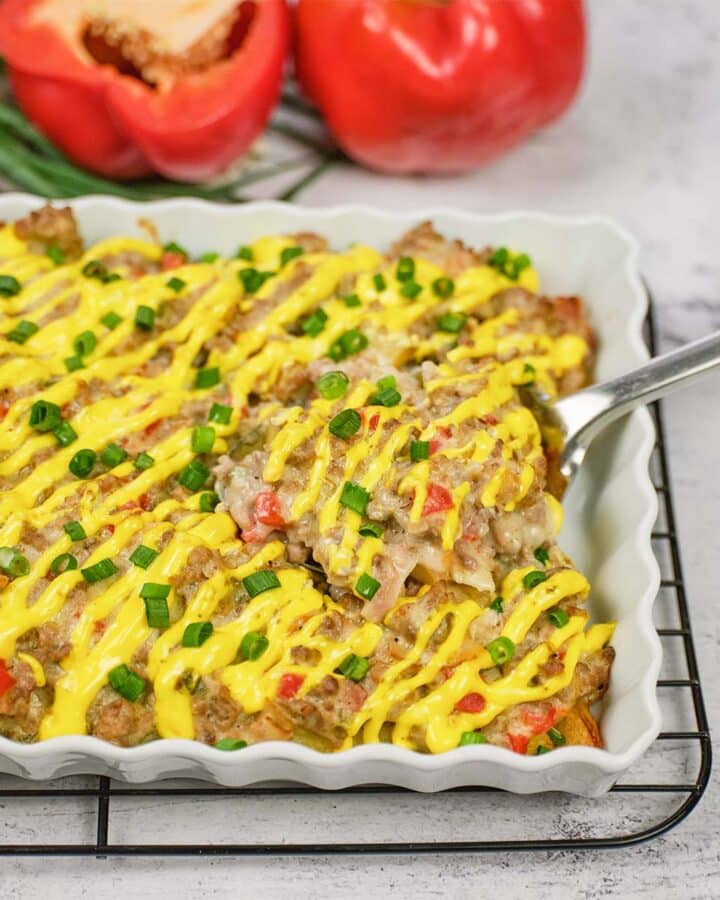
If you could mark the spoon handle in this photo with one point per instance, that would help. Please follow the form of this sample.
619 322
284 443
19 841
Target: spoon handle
587 413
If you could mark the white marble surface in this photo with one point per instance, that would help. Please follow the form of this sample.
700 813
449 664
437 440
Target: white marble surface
642 146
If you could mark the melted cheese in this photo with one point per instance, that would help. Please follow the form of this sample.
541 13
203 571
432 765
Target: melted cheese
111 626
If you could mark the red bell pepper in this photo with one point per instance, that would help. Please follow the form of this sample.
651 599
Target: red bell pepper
108 119
268 510
471 703
6 679
438 85
439 499
289 684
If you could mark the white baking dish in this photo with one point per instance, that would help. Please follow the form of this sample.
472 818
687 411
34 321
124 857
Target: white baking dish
610 511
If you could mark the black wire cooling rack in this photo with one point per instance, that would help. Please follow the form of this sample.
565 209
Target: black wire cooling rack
99 817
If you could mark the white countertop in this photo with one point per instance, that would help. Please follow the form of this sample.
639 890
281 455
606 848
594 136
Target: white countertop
641 146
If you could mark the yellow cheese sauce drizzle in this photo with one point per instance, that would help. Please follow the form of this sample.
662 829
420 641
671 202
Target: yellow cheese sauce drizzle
130 393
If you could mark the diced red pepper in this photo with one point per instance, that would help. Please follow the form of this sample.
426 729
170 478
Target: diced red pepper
171 260
490 420
445 431
145 502
434 447
4 408
374 421
252 535
518 742
438 499
268 509
6 679
539 720
471 703
153 426
289 684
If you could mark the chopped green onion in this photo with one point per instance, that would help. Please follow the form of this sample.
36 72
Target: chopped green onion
533 579
207 378
367 586
44 415
85 343
352 300
127 683
113 455
386 397
314 324
9 286
542 555
157 612
499 258
144 461
371 529
22 331
65 434
501 650
83 463
245 253
354 667
405 270
56 254
497 605
63 563
220 413
231 744
74 531
174 247
529 369
208 501
410 289
471 737
153 591
557 737
355 497
143 556
203 438
507 265
210 257
259 582
13 562
443 287
387 381
196 634
332 385
111 320
95 269
194 475
73 363
558 617
419 450
253 645
348 344
175 284
145 318
99 571
379 282
345 424
289 253
253 280
542 749
451 323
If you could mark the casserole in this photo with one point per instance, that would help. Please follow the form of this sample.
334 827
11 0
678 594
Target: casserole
337 228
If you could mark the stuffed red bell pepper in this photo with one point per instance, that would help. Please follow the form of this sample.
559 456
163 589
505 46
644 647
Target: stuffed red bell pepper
438 85
126 87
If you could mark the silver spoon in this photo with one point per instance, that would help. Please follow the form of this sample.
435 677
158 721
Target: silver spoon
580 417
